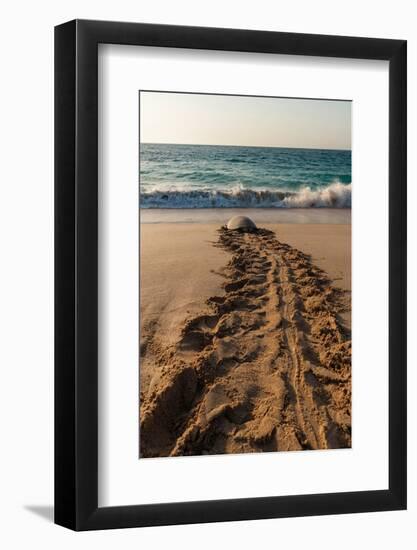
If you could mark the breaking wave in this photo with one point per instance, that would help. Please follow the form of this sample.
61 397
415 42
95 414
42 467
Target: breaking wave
336 195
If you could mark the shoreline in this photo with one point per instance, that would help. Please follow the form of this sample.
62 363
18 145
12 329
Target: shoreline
259 215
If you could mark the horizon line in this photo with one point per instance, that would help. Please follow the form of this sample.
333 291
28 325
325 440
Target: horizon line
250 146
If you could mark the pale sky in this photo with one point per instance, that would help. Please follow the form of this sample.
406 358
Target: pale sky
238 120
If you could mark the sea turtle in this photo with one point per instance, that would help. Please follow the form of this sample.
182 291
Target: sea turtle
242 223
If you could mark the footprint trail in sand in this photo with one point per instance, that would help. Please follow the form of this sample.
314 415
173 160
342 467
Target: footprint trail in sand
267 366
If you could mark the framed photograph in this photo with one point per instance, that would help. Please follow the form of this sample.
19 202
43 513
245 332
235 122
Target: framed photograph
230 254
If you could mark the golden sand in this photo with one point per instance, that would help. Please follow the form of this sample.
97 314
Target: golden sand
245 339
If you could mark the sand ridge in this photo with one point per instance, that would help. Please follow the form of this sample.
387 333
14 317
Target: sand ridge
265 367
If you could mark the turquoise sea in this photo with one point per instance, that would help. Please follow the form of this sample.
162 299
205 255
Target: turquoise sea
206 176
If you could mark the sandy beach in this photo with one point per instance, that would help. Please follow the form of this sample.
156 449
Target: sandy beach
245 338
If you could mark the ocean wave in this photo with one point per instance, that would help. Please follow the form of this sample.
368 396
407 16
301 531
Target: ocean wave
336 195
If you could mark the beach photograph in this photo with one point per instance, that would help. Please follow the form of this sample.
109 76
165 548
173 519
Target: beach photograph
245 274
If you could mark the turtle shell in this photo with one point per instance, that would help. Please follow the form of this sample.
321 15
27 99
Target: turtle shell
241 222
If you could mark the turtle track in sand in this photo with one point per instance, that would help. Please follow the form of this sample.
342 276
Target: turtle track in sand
266 367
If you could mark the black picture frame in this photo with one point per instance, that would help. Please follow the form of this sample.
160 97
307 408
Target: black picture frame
76 273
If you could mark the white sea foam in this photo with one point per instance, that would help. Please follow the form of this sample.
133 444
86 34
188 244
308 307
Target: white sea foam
336 195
